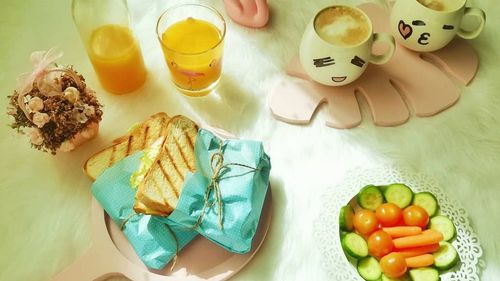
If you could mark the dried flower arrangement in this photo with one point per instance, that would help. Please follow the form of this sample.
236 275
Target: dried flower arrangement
54 106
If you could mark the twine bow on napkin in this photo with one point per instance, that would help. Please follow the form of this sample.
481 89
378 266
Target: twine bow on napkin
218 169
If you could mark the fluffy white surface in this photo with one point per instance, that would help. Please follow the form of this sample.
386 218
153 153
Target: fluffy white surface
44 222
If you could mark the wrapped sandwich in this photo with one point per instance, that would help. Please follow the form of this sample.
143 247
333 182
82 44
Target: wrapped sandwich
168 146
142 156
186 181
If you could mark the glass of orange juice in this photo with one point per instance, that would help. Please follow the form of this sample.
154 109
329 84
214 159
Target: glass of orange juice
192 39
111 46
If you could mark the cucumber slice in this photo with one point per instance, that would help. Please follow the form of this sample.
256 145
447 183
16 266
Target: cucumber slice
443 225
404 278
354 245
424 274
446 257
370 197
427 201
398 194
369 269
345 218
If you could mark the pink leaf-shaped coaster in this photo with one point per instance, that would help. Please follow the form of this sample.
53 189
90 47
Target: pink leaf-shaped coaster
249 13
409 82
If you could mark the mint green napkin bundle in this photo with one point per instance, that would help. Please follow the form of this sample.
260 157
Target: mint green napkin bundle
243 182
222 200
155 241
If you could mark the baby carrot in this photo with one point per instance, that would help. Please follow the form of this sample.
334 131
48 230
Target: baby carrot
427 237
420 261
402 231
417 251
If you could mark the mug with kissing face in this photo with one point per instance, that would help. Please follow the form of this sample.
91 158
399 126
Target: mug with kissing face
429 25
337 45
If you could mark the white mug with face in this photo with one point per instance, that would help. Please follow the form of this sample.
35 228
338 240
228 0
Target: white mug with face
429 25
337 45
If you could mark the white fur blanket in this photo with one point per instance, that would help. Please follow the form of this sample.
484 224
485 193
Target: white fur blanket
44 223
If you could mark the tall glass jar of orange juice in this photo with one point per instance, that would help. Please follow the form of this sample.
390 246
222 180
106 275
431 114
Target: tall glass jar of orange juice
111 46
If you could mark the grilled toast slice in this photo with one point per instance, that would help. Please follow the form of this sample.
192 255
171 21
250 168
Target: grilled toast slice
161 187
139 138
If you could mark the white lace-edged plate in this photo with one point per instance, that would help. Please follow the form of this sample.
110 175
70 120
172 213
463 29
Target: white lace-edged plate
326 226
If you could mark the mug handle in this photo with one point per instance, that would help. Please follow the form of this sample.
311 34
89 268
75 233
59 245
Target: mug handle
475 12
387 39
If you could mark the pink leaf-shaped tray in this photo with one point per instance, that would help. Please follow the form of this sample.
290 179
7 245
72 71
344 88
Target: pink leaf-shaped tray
410 83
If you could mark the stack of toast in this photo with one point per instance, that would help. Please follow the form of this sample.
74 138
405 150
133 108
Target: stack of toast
159 190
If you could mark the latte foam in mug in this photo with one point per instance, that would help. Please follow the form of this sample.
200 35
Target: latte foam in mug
342 26
336 47
439 5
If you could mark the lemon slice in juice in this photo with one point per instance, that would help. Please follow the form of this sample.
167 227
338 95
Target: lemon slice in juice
112 41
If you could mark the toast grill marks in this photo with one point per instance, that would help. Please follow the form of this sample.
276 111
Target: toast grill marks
182 152
129 141
138 139
163 182
191 139
189 148
165 174
155 196
112 156
171 159
168 171
156 192
145 138
184 159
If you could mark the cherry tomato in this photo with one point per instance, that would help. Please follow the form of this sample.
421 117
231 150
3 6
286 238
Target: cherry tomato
380 244
389 214
415 216
365 222
393 265
401 221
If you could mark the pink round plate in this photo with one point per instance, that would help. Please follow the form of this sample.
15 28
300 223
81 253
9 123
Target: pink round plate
111 255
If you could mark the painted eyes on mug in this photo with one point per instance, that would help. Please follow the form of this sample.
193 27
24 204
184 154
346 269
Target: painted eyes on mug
422 23
321 62
357 61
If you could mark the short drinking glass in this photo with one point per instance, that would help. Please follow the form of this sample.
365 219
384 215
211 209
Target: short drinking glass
192 39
